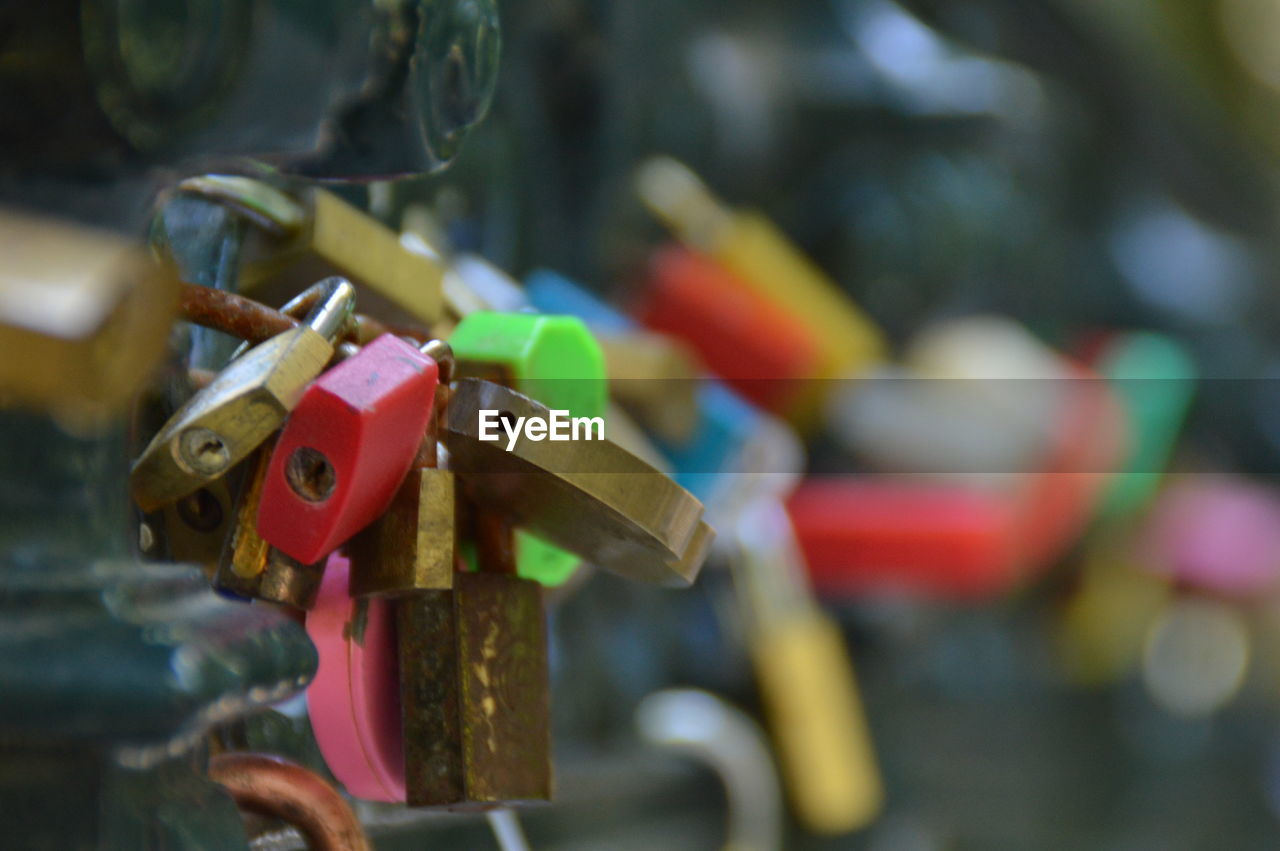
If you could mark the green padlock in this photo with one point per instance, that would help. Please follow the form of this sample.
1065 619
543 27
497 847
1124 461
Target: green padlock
1155 379
553 359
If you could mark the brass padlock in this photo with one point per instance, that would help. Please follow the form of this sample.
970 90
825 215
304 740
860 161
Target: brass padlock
655 377
475 690
335 238
84 316
197 525
225 421
590 497
412 546
251 567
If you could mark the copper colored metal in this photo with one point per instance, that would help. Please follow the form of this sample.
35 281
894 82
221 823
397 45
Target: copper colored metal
254 322
272 787
495 541
232 314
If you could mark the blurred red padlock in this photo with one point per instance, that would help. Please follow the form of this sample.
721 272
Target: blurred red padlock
866 535
869 534
1058 500
744 338
346 447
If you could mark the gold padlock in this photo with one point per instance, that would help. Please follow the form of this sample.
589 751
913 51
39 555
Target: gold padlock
412 546
656 378
84 317
590 497
197 525
806 680
251 567
225 421
336 238
475 693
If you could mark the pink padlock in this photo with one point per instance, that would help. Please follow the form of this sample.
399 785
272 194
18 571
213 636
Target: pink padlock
1216 533
354 700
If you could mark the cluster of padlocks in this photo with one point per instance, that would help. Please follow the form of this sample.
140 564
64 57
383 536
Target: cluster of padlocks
338 463
336 466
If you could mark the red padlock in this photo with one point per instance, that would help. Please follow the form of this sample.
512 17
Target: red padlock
862 535
1059 499
744 338
346 447
867 535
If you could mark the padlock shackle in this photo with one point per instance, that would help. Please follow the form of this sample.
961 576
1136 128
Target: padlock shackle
256 323
442 353
334 308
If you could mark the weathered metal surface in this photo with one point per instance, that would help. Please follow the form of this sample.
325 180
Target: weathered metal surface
474 693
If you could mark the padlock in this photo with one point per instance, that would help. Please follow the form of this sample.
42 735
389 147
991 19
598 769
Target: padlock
474 693
864 535
806 679
84 316
413 545
657 378
976 399
588 496
346 448
1104 623
336 238
197 525
1154 379
250 566
228 419
553 359
962 540
1219 534
551 292
758 254
354 701
768 356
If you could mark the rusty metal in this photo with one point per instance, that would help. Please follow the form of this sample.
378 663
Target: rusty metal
272 787
287 581
254 322
475 693
232 314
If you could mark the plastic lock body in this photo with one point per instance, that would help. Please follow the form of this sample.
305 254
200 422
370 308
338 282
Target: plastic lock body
553 359
346 448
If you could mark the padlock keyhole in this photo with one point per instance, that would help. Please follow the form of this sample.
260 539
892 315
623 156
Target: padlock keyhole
204 451
310 474
201 511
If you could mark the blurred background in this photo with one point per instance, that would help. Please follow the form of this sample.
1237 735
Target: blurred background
960 316
1093 175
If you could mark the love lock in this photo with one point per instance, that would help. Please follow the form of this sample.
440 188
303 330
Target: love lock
590 497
